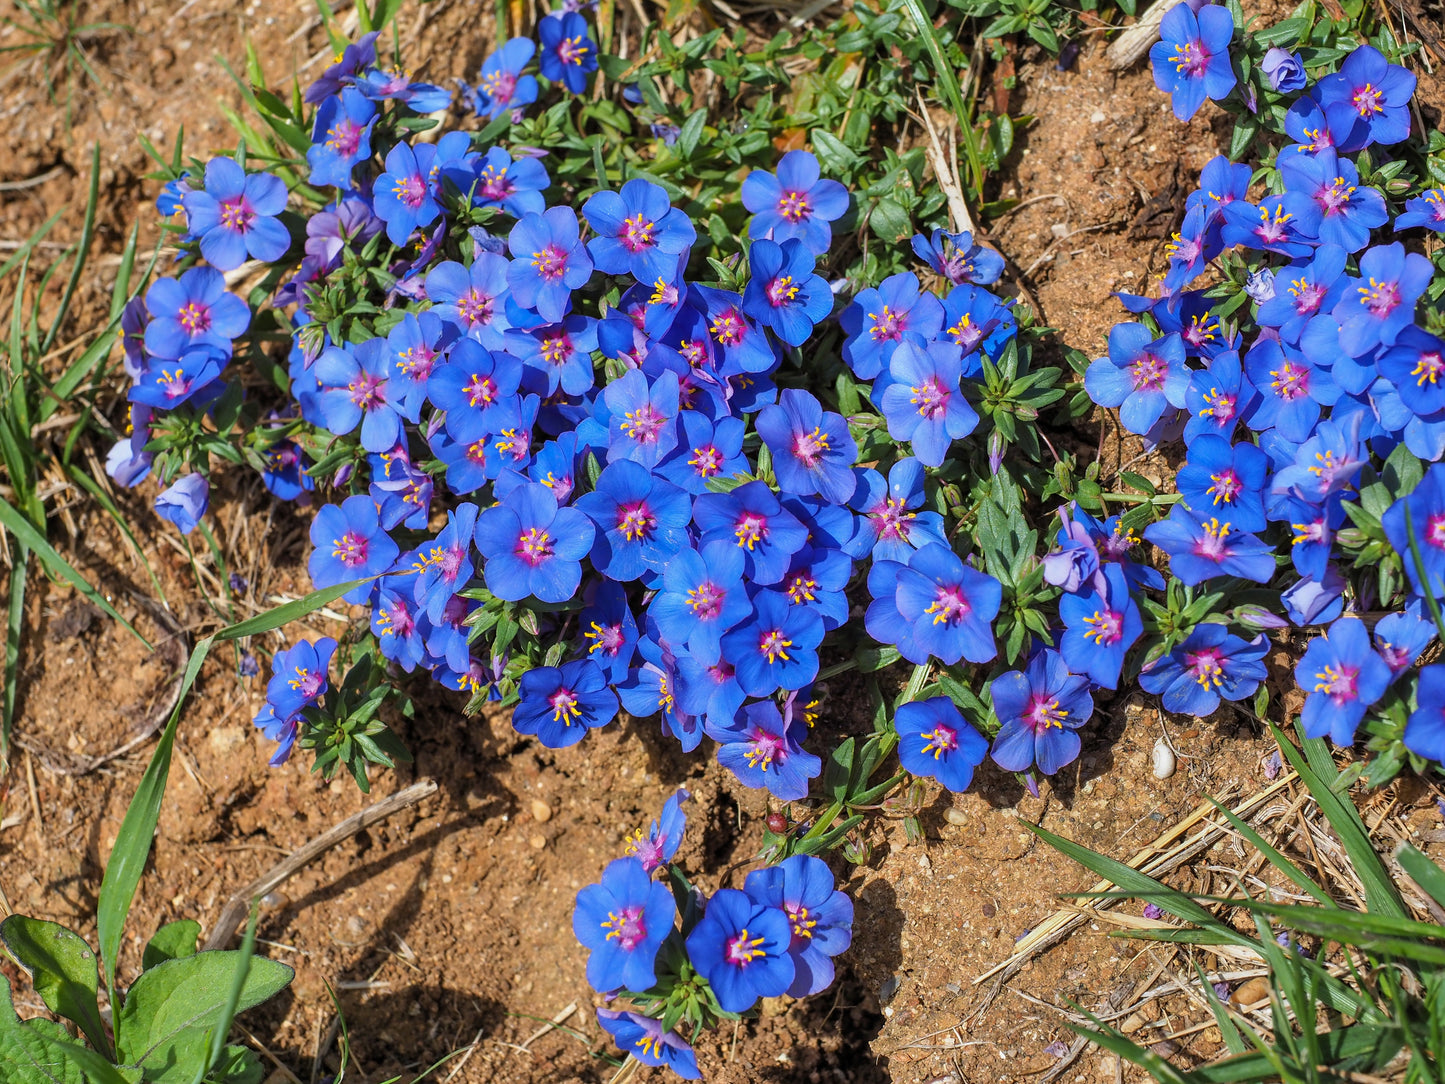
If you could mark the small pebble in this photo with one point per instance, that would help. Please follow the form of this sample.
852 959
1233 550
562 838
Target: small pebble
1098 116
1164 760
541 811
537 842
955 816
989 910
1131 1024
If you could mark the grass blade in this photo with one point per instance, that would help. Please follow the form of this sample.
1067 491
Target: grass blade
1277 860
1425 873
25 531
1381 895
13 628
949 78
87 235
233 998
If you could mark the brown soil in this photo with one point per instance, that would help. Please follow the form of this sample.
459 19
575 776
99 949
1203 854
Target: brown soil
450 923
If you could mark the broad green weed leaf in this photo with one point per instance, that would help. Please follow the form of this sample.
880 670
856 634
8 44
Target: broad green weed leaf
165 1025
62 969
34 1053
173 941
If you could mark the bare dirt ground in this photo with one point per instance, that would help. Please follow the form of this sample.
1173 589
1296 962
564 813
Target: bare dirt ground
449 924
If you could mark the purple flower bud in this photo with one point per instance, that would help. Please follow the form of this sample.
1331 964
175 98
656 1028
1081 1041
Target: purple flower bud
1251 99
1286 71
249 667
1153 911
528 152
1260 286
1221 991
995 451
342 475
666 132
1257 618
1058 1048
238 583
1273 765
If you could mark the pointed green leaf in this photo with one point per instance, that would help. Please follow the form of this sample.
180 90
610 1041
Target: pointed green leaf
173 941
62 968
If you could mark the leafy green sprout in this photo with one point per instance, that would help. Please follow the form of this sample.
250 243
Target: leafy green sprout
56 43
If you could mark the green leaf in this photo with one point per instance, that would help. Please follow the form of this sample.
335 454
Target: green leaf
62 969
1422 871
27 534
833 154
241 972
169 1014
691 133
172 941
1245 130
890 221
37 1055
839 770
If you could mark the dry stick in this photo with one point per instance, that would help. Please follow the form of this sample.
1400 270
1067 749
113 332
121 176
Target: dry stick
235 910
1149 861
1130 46
946 172
551 1025
466 1057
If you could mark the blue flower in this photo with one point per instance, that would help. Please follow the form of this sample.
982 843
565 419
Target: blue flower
651 690
356 388
623 921
1102 623
743 345
166 384
391 84
935 605
802 887
414 346
1425 729
656 847
403 194
1041 711
192 312
1425 505
1191 61
1142 376
284 475
340 138
399 626
702 597
889 528
638 231
973 320
184 501
471 385
609 629
817 578
642 1039
568 53
641 521
1381 302
560 704
235 216
741 948
878 319
1291 389
562 352
795 204
513 186
299 676
751 518
957 258
532 547
934 740
812 449
783 292
1427 209
641 425
1401 637
502 85
923 402
705 450
765 752
1377 92
777 648
444 565
1268 227
349 544
1227 480
1328 201
1303 291
472 299
1343 677
1201 548
549 261
1415 365
1209 665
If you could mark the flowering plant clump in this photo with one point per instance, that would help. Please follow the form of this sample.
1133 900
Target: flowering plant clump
583 454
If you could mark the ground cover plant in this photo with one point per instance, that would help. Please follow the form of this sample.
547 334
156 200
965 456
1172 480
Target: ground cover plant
599 426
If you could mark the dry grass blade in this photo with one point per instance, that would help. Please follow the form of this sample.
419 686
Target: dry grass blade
945 170
1130 46
236 907
1167 852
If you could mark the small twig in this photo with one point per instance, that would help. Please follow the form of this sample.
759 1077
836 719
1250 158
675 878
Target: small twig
1130 46
31 182
470 1050
946 172
236 908
550 1025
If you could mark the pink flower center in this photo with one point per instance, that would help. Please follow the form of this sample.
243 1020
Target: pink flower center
236 214
636 233
941 739
572 50
1340 683
608 639
764 748
948 606
1380 298
475 308
635 521
774 645
892 521
1307 296
417 361
1148 372
1044 712
750 529
1190 58
195 317
645 424
810 447
1435 530
534 546
1221 406
410 191
1207 666
1106 627
793 206
931 397
350 549
728 327
551 262
888 326
367 391
499 87
1213 544
480 390
782 291
1291 381
742 949
706 600
1367 100
557 348
344 137
566 707
494 184
1226 487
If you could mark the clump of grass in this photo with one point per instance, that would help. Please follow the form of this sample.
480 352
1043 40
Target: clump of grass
1368 1006
55 41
